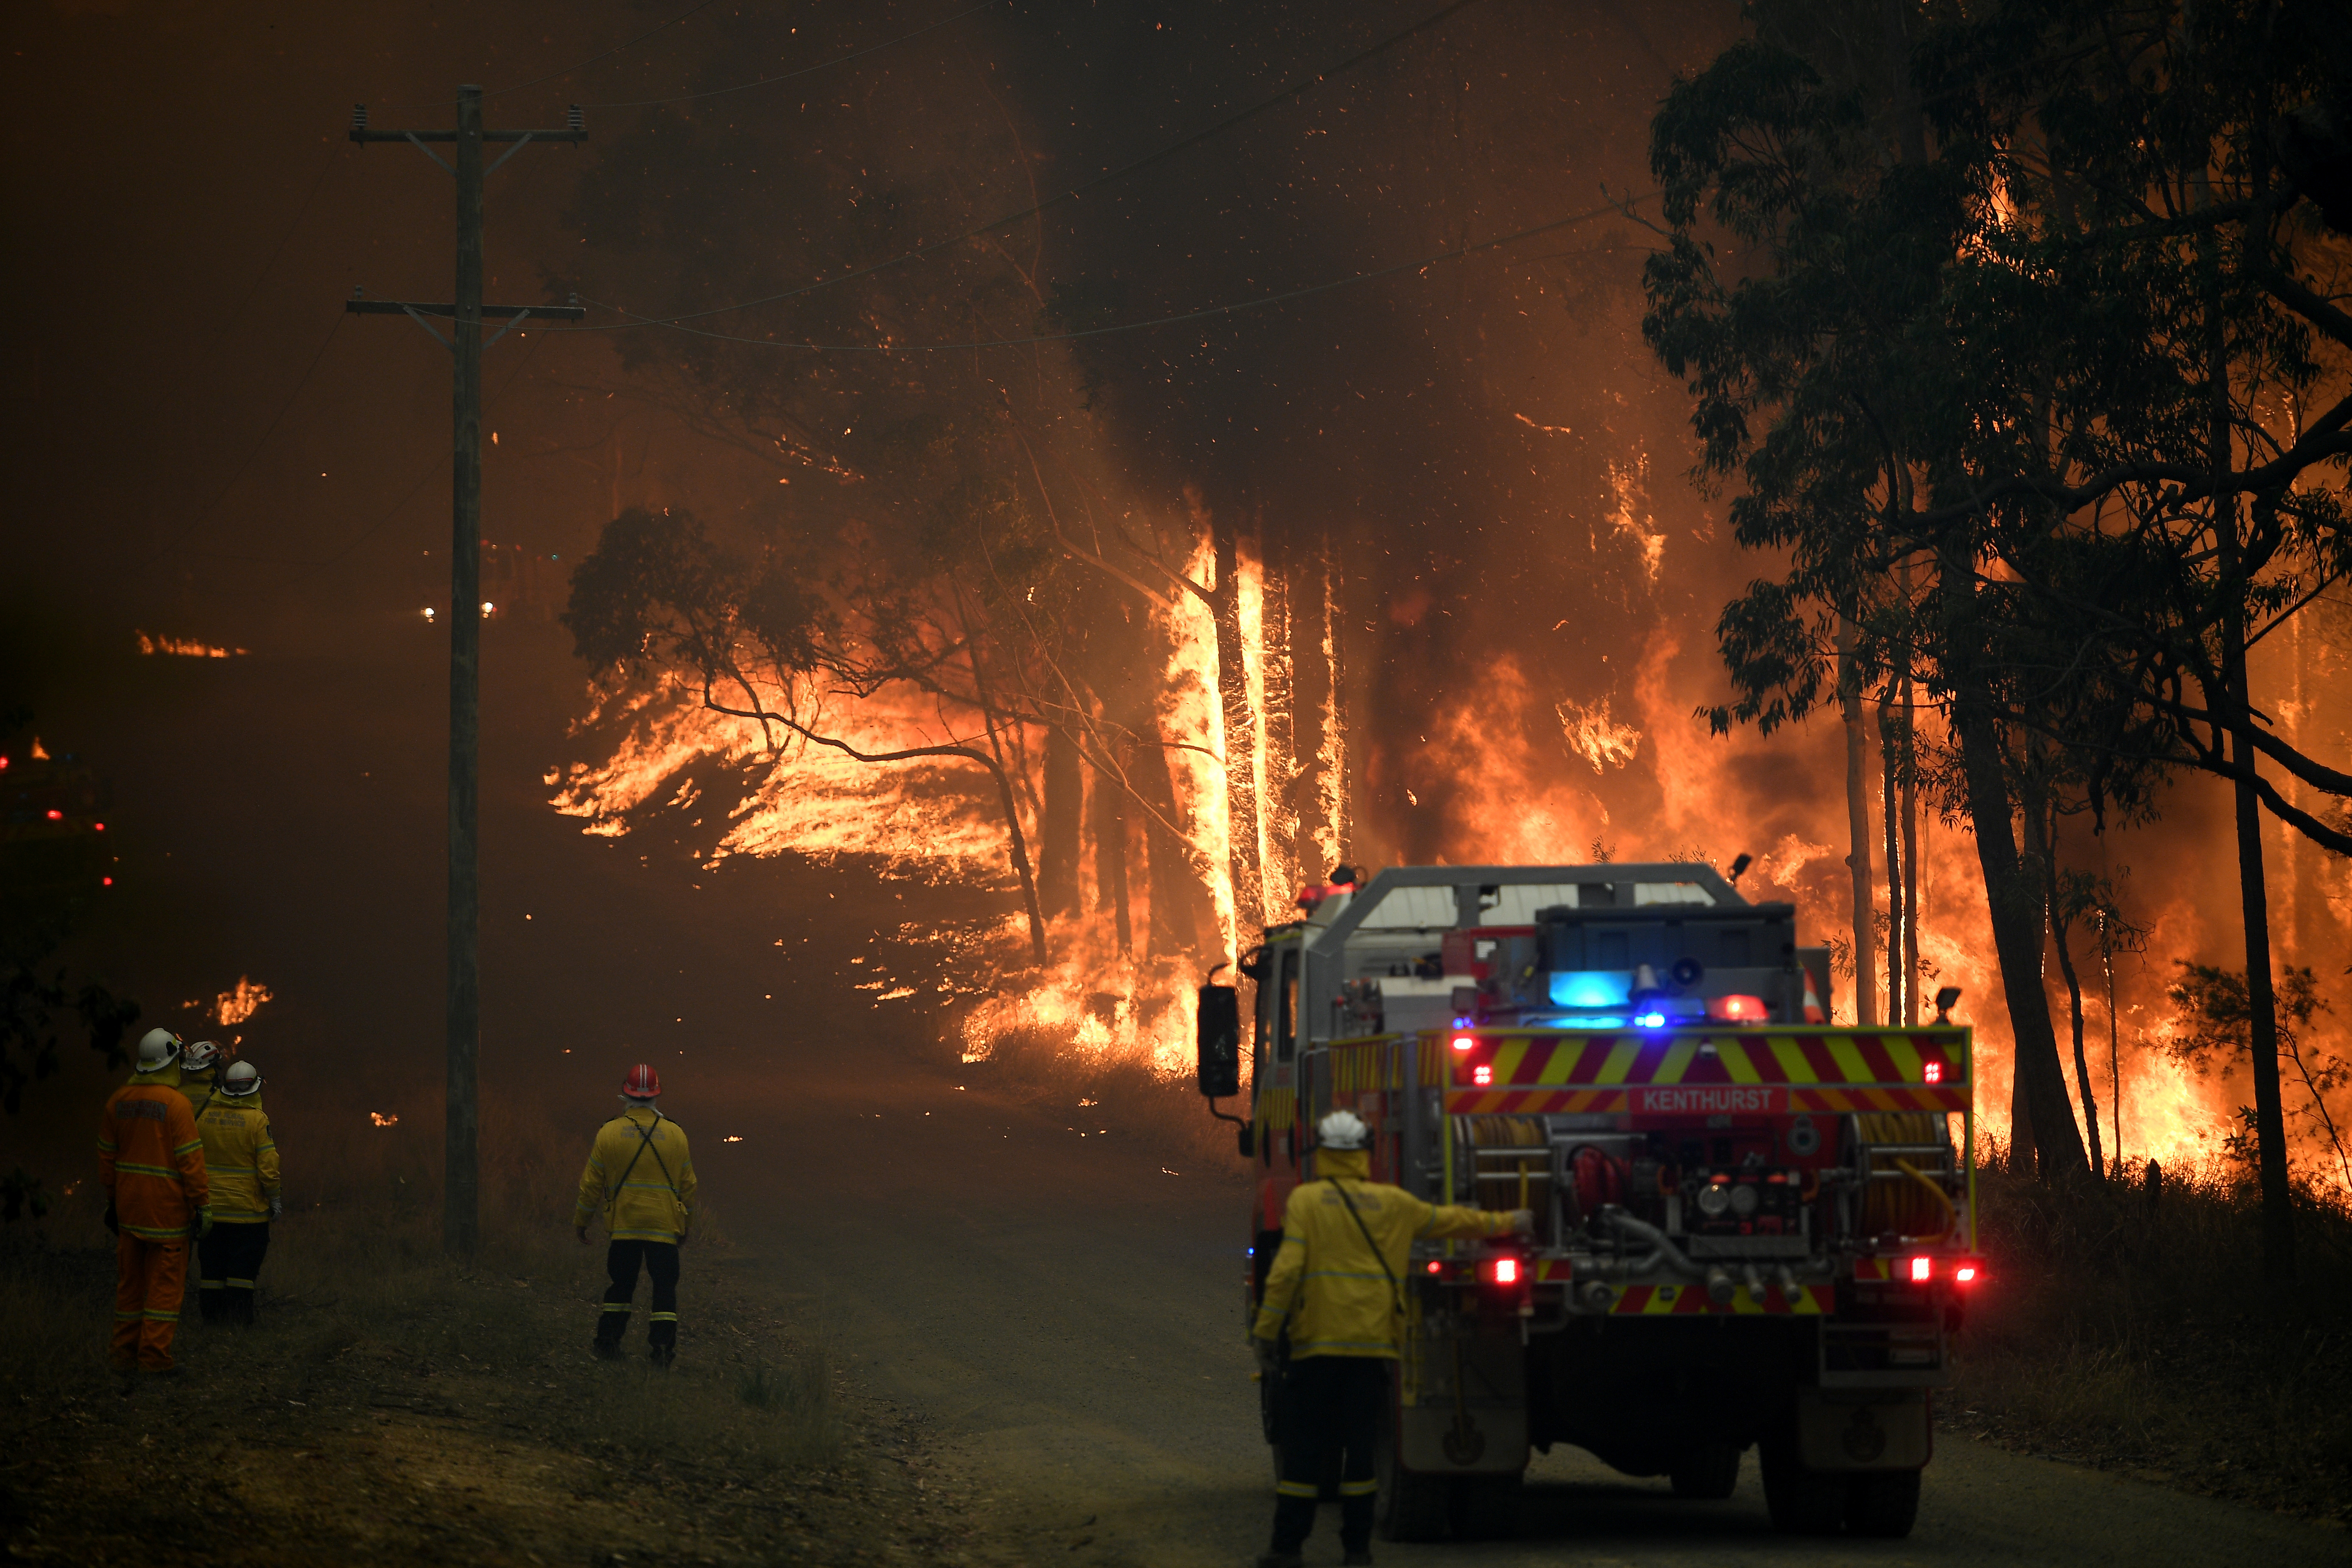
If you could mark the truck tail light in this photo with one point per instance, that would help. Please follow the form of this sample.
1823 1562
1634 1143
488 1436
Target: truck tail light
1919 1270
1464 1042
1502 1271
1932 1072
1737 1010
1483 1074
1967 1271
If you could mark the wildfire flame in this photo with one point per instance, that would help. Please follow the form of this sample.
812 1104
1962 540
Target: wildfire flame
238 1004
381 1119
184 647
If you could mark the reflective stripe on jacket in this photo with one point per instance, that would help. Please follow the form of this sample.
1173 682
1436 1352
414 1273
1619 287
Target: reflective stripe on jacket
240 1160
1327 1283
640 1177
150 1161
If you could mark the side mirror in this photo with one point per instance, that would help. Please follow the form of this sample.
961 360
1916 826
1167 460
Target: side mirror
1220 1061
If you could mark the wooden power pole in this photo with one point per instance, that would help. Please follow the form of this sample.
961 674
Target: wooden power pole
461 1197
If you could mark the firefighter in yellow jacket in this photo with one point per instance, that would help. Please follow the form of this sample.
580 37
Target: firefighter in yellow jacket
241 1157
641 1177
150 1162
1337 1287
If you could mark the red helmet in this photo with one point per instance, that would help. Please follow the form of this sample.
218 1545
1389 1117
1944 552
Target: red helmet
642 1082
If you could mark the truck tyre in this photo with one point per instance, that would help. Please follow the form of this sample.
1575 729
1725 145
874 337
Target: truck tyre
1803 1501
1408 1506
1708 1473
1486 1507
1883 1503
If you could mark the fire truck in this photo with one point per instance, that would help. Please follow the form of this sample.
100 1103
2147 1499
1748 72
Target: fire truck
1753 1230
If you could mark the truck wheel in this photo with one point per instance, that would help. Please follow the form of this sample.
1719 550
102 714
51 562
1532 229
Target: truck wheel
1486 1507
1408 1506
1803 1501
1883 1503
1708 1473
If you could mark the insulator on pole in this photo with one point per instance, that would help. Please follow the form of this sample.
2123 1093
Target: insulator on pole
359 116
572 120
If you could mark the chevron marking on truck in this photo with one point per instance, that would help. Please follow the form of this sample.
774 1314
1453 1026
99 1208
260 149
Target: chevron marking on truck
1678 1300
1758 1074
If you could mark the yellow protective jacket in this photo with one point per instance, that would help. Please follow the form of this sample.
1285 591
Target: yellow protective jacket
151 1160
640 1176
203 1091
240 1157
1326 1284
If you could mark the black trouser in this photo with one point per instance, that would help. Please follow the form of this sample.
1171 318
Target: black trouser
1328 1401
622 1260
228 1262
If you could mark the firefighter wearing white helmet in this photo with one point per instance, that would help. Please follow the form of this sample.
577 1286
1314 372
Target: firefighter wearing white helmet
241 1157
158 1062
199 1074
1336 1291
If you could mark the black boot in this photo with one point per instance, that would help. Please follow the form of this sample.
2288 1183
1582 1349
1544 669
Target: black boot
609 1329
208 1304
236 1307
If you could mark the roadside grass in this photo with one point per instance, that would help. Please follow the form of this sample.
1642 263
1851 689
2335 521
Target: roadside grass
2140 1334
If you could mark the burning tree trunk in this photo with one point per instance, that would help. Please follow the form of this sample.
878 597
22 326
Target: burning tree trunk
1108 816
1239 733
1900 1004
1279 684
1061 830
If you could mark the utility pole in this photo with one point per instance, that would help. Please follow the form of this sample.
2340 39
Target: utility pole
461 1196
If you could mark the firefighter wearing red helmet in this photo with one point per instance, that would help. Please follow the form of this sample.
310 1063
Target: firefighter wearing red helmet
641 1178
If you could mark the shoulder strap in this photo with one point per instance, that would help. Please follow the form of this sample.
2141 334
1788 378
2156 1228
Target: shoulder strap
645 1141
1395 1290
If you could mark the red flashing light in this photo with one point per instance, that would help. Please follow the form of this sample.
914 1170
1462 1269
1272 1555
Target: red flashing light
1464 1042
1933 1072
1483 1074
1921 1270
1435 1266
55 816
99 827
106 881
1738 1009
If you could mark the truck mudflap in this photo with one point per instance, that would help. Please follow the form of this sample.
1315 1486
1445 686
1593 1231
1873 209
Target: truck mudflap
1461 1400
1863 1429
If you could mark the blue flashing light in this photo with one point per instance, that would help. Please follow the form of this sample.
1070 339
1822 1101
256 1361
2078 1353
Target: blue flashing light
1590 987
1650 1020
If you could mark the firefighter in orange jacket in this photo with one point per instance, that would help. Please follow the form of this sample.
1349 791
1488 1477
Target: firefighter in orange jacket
1336 1288
150 1161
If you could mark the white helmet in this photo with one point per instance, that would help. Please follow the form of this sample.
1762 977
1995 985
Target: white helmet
201 1056
241 1080
157 1049
1341 1129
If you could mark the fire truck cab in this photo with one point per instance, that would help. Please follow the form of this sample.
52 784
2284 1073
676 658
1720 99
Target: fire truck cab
1753 1230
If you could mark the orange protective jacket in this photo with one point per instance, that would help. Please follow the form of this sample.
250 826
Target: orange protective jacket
150 1161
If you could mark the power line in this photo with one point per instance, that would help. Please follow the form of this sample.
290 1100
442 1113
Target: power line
1289 93
251 452
805 71
1233 308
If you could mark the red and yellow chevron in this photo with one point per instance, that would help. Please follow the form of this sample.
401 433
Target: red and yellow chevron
1759 1073
1688 1300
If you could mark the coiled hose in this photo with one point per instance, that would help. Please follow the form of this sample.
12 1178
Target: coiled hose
1919 1207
